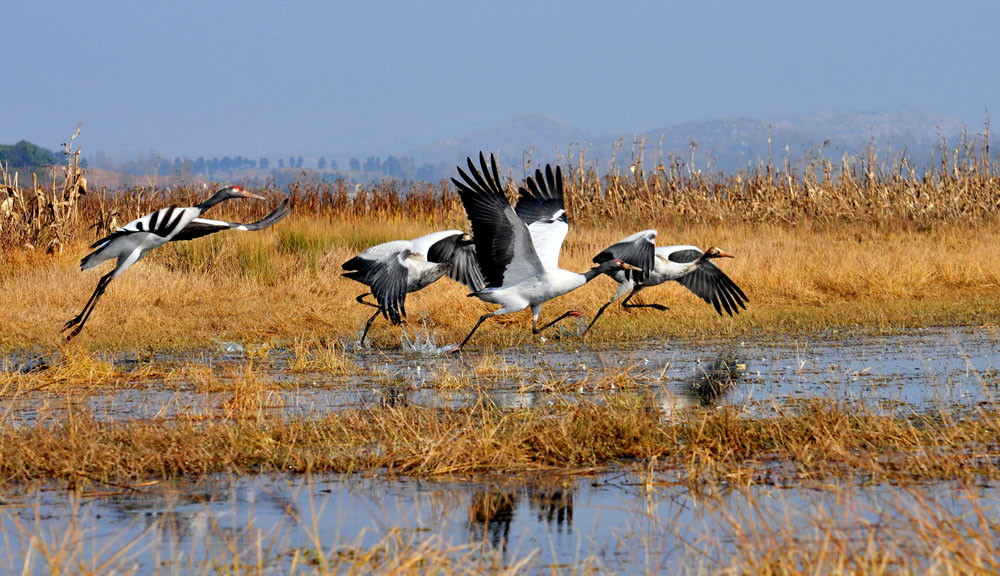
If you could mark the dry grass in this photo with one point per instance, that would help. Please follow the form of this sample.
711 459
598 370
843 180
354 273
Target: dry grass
807 442
869 244
41 218
253 289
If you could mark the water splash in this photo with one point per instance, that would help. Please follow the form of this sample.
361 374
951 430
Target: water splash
356 344
230 347
422 341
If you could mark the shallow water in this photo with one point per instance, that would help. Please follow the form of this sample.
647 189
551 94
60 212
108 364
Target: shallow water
919 370
612 521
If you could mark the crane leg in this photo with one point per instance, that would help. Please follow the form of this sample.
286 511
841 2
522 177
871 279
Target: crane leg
598 315
80 319
571 313
625 303
368 324
361 300
474 328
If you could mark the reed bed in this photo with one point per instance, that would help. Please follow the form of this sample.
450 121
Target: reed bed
264 289
959 185
853 239
807 442
871 243
910 532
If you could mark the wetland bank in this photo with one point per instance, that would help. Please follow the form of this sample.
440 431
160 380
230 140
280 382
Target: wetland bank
219 415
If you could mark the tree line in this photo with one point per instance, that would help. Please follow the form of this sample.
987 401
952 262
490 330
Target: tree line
27 157
399 167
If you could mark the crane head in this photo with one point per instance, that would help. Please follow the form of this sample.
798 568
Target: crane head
615 264
715 252
239 192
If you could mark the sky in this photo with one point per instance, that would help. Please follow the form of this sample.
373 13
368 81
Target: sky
315 78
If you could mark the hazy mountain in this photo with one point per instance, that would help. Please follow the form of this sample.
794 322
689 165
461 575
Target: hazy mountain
538 134
721 144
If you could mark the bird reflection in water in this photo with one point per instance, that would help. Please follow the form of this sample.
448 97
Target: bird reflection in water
554 504
492 511
490 515
714 379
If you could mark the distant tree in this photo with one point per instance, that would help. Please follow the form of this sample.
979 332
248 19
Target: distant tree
321 164
291 161
264 163
373 164
281 163
298 162
391 167
333 164
27 156
354 164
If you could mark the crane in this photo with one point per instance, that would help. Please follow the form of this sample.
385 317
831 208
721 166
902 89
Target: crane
688 265
394 269
132 241
518 250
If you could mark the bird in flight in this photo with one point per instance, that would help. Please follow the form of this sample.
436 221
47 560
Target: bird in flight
687 265
394 269
518 250
132 241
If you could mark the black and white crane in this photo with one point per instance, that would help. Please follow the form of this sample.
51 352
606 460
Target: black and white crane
132 241
688 265
518 251
393 269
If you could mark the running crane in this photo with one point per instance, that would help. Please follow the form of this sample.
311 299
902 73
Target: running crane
394 269
131 242
518 250
688 265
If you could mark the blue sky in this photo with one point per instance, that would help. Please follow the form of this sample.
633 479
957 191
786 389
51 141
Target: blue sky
329 78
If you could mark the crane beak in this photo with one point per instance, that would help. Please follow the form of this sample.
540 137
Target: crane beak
724 255
627 266
246 194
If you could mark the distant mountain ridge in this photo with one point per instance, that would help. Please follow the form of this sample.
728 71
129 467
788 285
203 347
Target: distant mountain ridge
520 133
720 144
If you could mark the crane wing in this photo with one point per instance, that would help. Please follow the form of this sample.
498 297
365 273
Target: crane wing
389 285
540 205
711 284
504 247
638 250
203 226
459 251
163 222
385 272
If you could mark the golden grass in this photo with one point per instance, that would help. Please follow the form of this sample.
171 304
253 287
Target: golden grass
838 250
811 441
871 243
254 289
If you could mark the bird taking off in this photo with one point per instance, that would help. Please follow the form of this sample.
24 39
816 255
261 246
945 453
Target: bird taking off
394 269
688 265
518 250
131 242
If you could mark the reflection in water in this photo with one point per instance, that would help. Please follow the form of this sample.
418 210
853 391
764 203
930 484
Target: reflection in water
715 379
553 505
609 523
492 511
490 515
203 512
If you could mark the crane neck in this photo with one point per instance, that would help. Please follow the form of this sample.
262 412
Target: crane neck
592 273
216 198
